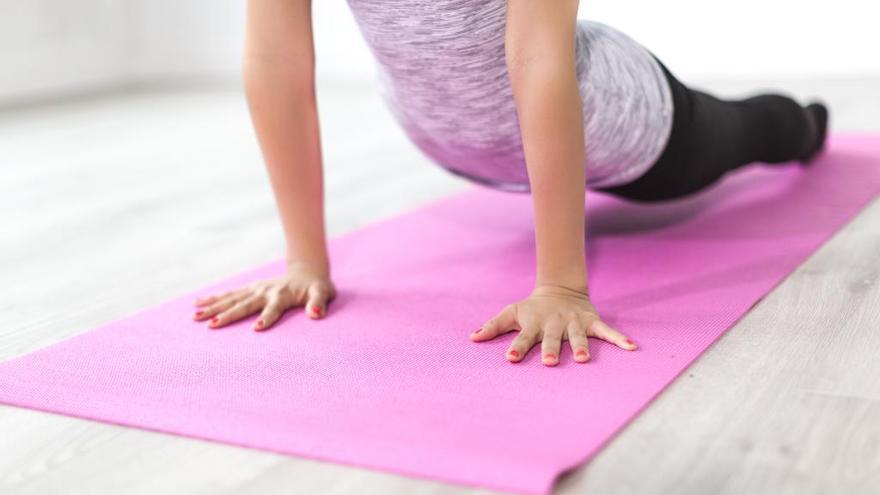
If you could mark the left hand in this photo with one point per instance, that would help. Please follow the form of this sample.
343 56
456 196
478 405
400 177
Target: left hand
550 315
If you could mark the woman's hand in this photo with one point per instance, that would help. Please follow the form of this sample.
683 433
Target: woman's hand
301 286
550 315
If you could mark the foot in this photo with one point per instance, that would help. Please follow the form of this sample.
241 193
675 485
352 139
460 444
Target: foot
818 116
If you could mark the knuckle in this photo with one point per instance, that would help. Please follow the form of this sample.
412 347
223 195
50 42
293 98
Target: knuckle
274 313
326 292
531 332
529 337
322 290
269 303
298 293
276 294
553 327
586 321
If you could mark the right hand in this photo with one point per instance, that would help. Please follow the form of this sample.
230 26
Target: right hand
300 286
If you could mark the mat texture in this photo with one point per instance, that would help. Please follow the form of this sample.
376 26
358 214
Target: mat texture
390 380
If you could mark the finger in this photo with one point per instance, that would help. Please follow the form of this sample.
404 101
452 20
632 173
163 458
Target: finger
601 330
577 339
551 342
217 307
521 345
316 304
272 311
238 311
211 299
503 322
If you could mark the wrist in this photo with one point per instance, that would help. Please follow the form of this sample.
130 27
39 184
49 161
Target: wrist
316 266
579 289
572 277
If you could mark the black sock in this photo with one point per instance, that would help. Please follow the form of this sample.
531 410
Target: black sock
819 121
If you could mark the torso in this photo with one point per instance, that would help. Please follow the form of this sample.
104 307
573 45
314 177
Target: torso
443 73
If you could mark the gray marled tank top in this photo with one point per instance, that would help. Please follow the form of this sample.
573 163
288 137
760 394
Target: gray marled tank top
442 72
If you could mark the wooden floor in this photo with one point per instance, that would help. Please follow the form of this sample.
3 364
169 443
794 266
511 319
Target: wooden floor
116 203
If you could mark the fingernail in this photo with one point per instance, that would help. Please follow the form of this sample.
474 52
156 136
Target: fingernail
630 342
199 314
513 353
550 357
316 310
260 323
478 330
215 320
581 353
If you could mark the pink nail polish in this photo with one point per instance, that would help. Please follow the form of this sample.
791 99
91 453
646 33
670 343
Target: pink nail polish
630 342
513 353
215 320
316 310
199 314
581 353
550 357
260 323
478 330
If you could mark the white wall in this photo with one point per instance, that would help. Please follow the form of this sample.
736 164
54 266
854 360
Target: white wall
50 47
751 38
703 38
185 38
56 47
47 45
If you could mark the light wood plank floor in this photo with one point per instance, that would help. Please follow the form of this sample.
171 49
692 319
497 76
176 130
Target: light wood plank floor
115 203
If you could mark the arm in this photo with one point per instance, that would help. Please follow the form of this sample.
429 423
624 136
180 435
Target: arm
279 81
540 52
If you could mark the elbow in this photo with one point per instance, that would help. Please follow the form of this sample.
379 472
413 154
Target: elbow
536 60
520 59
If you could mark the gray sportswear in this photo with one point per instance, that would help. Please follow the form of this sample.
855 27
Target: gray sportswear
443 74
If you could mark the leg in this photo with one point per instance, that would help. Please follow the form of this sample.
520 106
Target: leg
711 136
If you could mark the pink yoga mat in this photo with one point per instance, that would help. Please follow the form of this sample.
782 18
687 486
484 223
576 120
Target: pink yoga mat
390 380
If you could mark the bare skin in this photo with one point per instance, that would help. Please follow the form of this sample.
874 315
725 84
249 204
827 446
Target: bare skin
540 54
301 286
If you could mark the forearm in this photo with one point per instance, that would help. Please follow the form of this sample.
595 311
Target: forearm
285 118
280 87
548 101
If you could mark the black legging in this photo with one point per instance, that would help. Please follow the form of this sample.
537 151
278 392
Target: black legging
711 136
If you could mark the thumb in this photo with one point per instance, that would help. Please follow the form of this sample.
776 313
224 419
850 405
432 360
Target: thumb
318 297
